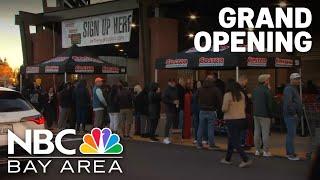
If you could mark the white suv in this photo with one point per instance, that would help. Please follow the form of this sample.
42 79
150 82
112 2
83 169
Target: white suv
17 115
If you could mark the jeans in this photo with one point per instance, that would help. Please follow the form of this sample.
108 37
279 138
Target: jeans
143 125
153 126
243 135
171 118
291 123
261 128
206 117
235 127
181 119
195 118
137 124
81 116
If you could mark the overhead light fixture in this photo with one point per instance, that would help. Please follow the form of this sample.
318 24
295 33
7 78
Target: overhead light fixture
193 17
283 4
116 45
190 35
121 50
133 25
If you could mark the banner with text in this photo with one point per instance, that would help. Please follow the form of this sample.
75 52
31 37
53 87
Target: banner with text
96 30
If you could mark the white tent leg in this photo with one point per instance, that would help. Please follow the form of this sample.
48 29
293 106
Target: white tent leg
219 74
65 77
156 75
20 83
197 75
237 73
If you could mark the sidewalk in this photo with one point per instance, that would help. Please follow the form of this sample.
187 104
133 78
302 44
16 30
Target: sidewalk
277 144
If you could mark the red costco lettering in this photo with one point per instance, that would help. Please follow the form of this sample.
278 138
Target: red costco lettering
176 61
204 60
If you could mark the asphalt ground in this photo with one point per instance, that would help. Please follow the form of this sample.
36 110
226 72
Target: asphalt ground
145 160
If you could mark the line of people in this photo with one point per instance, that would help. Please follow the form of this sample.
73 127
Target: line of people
191 107
242 115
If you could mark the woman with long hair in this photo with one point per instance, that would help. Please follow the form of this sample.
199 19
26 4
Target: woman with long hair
234 115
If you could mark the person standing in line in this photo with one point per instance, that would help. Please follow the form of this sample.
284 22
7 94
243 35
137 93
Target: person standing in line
181 93
195 109
141 110
82 102
50 108
65 101
98 103
292 111
218 82
73 114
37 94
106 90
210 100
262 112
126 113
154 99
187 116
247 134
113 108
171 104
235 117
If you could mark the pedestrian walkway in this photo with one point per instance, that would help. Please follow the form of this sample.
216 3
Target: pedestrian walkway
277 144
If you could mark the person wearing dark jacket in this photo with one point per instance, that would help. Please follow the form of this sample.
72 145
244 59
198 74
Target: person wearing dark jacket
210 100
292 111
82 101
181 93
113 108
247 134
219 83
262 112
65 102
36 95
171 103
221 86
154 99
141 110
50 108
126 113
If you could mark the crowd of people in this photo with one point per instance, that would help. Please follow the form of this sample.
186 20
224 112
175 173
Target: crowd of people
195 108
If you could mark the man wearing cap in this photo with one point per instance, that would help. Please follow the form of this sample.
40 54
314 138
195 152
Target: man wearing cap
262 112
292 110
98 103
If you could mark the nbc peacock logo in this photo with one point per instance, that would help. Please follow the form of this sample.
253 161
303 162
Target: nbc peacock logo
101 142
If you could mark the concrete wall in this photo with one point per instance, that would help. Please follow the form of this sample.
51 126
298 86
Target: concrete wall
164 41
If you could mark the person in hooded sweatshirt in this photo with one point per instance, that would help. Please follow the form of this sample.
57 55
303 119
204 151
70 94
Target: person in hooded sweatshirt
141 110
171 104
82 101
154 99
210 101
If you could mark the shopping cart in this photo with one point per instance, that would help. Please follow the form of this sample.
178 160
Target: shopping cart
312 117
